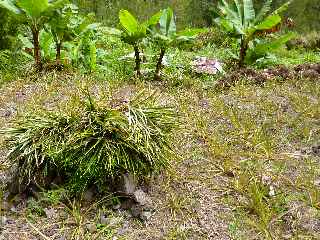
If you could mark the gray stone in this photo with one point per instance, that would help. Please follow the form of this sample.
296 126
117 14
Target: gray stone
116 207
89 194
127 204
5 206
124 229
141 198
129 183
114 221
136 211
139 212
104 220
91 228
110 221
13 209
145 215
50 212
4 220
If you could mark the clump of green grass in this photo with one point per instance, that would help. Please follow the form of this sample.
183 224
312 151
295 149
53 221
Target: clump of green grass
88 142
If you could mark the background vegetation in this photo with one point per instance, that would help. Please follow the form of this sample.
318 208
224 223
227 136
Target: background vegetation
196 12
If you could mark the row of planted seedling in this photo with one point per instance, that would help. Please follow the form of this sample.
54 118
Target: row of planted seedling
75 36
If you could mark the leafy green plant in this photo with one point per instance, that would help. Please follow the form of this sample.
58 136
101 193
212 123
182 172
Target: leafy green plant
8 30
88 142
165 35
61 29
46 42
134 32
83 50
34 14
240 20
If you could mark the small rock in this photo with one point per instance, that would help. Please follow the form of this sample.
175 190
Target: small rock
110 221
116 207
50 212
103 219
140 197
4 220
145 215
206 65
13 209
316 150
272 191
317 182
129 184
113 222
92 228
136 211
127 204
5 206
89 194
124 229
7 113
141 213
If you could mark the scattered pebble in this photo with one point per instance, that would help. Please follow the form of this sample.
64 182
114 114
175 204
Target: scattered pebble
92 228
4 220
140 197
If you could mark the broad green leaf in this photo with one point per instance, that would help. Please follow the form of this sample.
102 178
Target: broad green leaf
248 12
9 5
167 23
191 32
154 19
282 8
263 11
269 22
239 8
93 56
33 8
231 17
58 4
111 31
227 11
128 22
239 29
26 43
264 48
92 26
225 24
46 43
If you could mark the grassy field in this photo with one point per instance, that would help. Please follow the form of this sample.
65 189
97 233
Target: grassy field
247 163
247 149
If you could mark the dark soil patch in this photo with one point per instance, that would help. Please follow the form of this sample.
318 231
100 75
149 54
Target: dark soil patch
282 73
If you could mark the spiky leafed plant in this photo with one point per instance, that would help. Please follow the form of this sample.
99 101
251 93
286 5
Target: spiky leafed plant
241 21
93 142
34 14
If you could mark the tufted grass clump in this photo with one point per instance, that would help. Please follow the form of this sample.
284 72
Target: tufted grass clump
90 142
